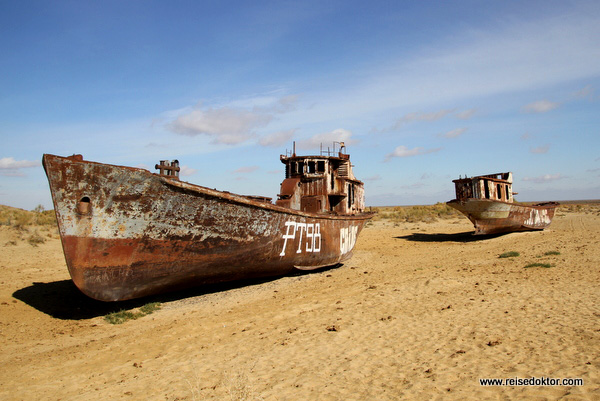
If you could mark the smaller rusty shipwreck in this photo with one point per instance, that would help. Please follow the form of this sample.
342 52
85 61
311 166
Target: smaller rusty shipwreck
128 233
487 200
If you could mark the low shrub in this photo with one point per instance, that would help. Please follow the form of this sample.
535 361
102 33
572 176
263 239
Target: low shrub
35 239
510 254
124 315
545 265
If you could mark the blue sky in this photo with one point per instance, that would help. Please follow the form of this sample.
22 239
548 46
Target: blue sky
421 92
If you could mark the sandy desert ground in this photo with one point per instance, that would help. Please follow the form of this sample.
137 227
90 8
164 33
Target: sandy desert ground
422 311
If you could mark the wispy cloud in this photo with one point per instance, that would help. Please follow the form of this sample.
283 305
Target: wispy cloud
540 149
516 55
455 133
427 117
9 163
375 177
224 125
231 124
277 139
327 139
403 151
415 185
186 171
466 114
417 116
585 93
544 178
246 170
541 106
10 167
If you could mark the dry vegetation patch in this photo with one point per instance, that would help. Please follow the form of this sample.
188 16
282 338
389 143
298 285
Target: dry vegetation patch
586 207
33 227
416 214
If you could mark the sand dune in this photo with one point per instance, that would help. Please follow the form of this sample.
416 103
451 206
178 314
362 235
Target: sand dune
422 311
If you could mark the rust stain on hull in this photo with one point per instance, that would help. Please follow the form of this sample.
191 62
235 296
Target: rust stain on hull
128 233
488 202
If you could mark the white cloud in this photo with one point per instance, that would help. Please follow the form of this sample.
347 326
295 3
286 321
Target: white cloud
225 125
186 171
277 139
327 139
144 166
233 123
403 151
9 167
466 114
541 106
455 133
246 170
544 178
540 149
9 163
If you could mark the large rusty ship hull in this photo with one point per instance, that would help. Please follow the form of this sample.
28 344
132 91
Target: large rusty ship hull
129 233
493 216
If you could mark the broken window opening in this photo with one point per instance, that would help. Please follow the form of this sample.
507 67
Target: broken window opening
321 166
349 196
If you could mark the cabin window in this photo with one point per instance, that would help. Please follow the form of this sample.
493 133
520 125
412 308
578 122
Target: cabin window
301 167
499 191
487 190
321 166
507 193
312 168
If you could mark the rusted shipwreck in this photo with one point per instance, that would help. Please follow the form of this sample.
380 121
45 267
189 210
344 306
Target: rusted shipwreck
128 233
487 201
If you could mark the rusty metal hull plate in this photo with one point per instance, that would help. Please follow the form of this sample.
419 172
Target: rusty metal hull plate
128 233
492 216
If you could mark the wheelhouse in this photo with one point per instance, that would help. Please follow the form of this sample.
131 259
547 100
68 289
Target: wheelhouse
321 184
491 186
